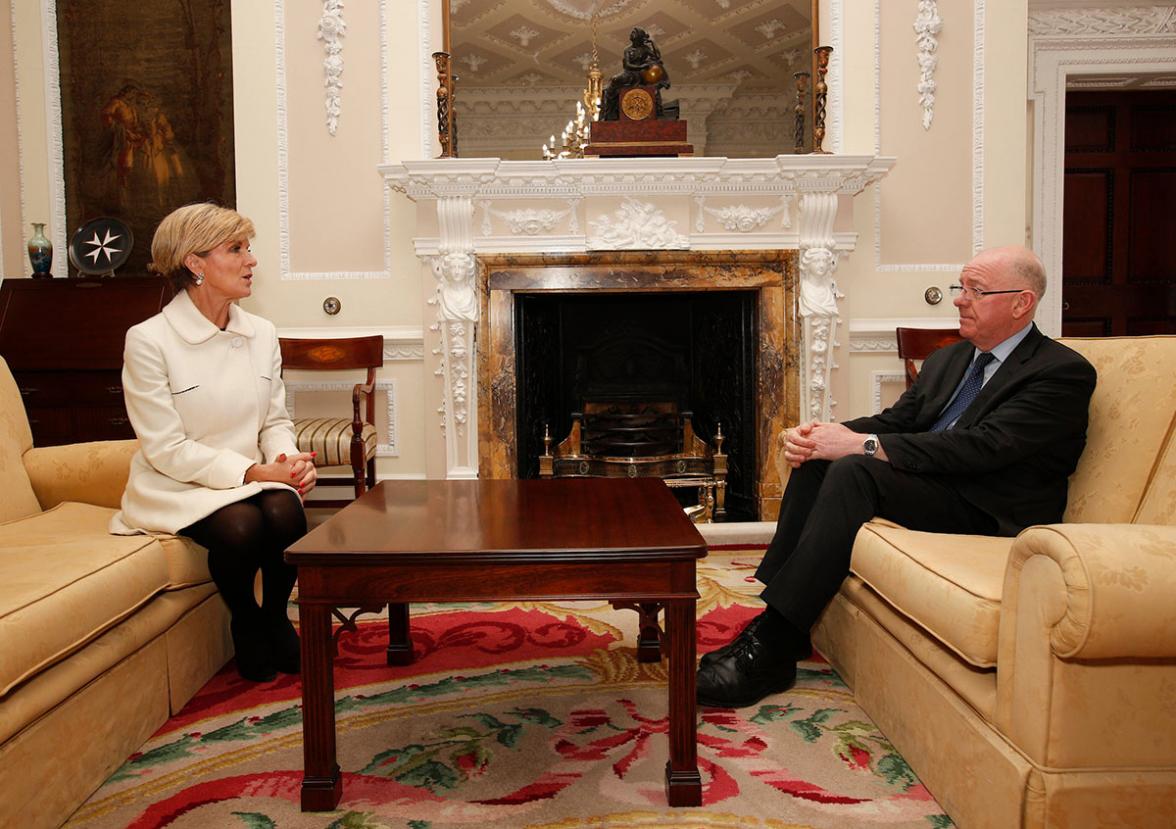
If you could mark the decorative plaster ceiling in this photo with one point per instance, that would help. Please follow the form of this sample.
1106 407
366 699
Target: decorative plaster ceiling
756 43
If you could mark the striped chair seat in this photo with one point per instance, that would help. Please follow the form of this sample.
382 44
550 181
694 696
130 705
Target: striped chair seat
330 437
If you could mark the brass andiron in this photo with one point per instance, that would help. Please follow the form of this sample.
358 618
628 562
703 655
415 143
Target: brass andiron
802 84
446 117
820 95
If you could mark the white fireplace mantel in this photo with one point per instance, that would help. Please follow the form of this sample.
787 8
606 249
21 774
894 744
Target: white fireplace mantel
467 207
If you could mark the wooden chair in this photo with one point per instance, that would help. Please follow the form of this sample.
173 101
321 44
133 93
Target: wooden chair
918 343
340 441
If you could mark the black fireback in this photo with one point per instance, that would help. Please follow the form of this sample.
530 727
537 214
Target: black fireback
696 349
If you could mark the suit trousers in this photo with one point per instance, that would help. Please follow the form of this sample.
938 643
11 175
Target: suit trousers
824 505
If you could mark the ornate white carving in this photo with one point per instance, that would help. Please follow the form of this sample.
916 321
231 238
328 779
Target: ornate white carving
636 225
457 298
529 221
927 28
524 35
1134 20
587 10
817 303
456 301
454 186
385 449
745 219
53 121
331 29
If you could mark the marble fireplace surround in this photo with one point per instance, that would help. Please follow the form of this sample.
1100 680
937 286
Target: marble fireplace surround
586 213
771 274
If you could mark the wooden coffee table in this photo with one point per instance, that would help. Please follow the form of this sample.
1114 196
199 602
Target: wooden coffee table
624 540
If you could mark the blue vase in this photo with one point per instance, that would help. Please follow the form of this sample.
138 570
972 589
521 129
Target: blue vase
40 251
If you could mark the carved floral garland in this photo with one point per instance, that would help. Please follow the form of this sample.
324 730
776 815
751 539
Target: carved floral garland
927 27
331 29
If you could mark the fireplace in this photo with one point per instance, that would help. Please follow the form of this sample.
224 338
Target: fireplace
710 331
689 351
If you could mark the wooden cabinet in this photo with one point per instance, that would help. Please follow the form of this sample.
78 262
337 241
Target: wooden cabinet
63 341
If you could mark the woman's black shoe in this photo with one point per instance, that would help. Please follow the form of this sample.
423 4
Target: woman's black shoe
285 649
253 651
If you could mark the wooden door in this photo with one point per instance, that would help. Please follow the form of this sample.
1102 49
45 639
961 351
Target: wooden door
1119 222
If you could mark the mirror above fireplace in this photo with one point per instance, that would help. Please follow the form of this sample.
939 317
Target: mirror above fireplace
521 66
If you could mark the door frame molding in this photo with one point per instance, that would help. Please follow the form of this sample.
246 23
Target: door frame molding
1053 60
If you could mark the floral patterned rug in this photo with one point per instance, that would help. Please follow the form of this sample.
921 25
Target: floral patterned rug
527 715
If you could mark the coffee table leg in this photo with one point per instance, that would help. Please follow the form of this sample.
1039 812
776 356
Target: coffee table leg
322 786
399 642
683 782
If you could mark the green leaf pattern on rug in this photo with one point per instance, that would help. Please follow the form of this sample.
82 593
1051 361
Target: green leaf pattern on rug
940 822
358 820
255 820
853 741
460 752
249 728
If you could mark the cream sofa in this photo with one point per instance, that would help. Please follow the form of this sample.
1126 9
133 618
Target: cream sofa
1031 682
102 637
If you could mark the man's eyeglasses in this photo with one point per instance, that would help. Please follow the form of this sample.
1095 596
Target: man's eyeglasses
975 294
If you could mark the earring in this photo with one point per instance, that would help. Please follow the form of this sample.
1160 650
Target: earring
198 279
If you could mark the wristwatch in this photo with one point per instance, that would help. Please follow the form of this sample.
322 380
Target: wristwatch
870 445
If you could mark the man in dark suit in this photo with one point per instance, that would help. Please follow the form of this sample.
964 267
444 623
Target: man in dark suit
983 443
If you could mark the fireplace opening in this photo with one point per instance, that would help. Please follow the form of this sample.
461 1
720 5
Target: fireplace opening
694 351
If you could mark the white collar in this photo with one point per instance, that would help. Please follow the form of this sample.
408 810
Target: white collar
195 328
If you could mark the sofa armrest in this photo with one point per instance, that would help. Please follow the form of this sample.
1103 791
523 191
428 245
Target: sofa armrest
1088 626
1119 582
90 473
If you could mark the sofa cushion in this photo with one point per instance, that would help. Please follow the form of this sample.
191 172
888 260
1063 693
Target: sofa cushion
1131 416
949 585
63 584
15 439
187 561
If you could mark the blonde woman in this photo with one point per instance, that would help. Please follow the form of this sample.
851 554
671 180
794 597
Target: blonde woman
217 460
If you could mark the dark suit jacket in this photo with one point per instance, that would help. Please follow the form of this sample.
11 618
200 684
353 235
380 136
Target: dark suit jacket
1012 451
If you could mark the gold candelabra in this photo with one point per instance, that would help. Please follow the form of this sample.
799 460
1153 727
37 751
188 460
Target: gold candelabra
577 134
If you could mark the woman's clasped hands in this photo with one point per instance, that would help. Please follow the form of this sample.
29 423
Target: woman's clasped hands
297 470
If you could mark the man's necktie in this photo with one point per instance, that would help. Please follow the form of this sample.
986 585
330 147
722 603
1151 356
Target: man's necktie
967 394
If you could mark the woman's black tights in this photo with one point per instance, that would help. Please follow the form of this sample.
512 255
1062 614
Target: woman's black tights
245 537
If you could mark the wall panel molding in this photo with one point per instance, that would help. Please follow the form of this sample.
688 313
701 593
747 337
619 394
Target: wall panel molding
384 449
978 55
285 268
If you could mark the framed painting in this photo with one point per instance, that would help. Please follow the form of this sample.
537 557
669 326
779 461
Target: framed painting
147 111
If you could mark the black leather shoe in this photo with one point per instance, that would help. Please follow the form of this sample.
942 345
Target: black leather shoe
252 645
748 673
719 653
286 650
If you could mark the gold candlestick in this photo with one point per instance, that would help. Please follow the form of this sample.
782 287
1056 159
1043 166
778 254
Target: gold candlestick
446 127
820 94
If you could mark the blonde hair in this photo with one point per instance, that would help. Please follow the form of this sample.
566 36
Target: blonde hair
193 228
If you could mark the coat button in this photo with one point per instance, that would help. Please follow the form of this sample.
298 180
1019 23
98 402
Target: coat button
237 342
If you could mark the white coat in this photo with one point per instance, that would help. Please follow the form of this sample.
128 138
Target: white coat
205 404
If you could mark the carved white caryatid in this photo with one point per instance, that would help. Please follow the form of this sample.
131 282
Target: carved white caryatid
636 225
331 29
457 313
818 310
927 27
817 303
457 298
